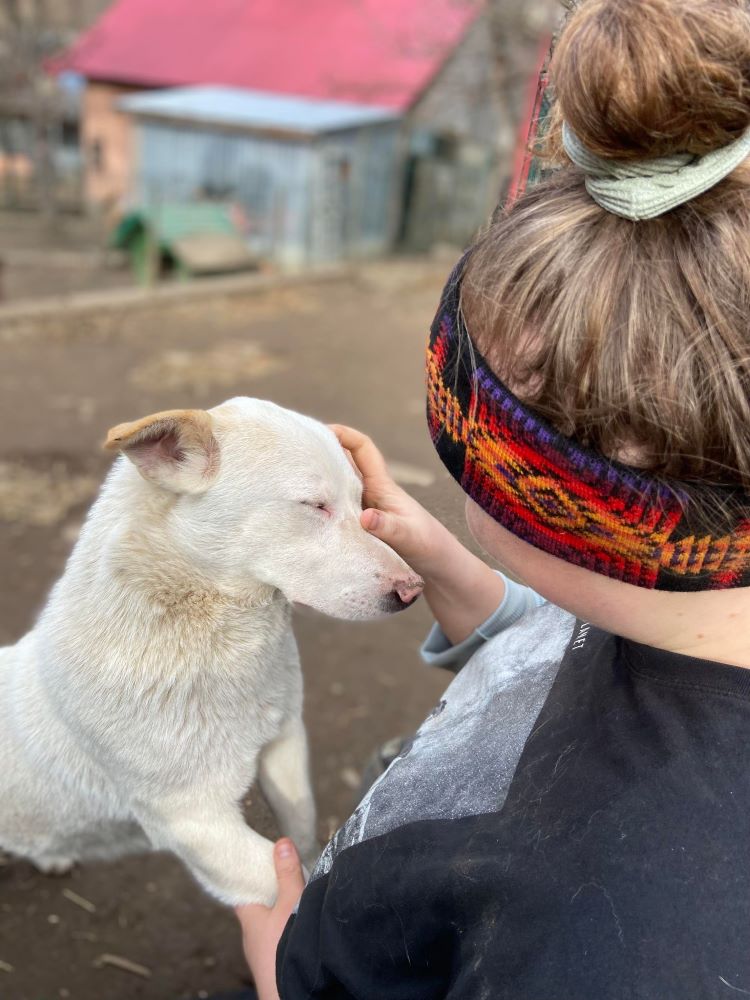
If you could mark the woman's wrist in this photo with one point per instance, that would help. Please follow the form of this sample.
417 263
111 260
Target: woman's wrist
440 547
462 591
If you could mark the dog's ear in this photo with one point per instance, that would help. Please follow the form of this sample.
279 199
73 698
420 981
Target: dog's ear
175 449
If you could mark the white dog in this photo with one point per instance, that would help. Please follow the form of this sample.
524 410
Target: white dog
163 675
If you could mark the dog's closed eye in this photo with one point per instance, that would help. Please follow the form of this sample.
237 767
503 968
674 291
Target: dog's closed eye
320 505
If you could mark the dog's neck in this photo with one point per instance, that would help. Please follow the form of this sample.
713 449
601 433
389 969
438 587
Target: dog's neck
142 598
149 569
130 529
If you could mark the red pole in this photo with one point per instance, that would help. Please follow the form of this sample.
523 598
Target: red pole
527 134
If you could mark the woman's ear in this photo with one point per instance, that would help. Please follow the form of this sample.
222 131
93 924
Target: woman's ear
175 449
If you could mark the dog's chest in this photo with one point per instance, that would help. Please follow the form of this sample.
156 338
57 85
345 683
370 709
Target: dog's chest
218 722
232 680
161 710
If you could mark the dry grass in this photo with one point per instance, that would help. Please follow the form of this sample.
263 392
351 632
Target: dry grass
41 498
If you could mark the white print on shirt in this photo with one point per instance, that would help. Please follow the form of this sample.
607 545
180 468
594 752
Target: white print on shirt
462 759
580 639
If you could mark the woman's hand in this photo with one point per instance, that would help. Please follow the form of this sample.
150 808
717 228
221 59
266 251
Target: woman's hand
262 926
389 512
461 590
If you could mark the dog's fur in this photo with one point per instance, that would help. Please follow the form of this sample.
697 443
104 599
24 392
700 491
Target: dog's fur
163 675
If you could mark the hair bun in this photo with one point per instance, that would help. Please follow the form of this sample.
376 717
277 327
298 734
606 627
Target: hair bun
644 78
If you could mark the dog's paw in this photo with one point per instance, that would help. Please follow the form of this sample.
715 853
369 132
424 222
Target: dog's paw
53 864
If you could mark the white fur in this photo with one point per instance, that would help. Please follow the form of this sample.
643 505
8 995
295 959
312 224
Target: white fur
163 675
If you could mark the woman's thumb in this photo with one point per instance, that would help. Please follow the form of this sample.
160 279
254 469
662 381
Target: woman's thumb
288 870
382 525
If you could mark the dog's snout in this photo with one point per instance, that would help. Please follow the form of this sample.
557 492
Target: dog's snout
408 592
391 603
404 593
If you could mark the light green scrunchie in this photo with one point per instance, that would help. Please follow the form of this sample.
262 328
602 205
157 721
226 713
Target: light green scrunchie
645 189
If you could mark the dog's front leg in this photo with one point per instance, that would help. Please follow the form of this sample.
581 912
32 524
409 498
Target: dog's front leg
233 862
285 779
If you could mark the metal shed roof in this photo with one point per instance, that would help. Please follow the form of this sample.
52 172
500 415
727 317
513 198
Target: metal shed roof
376 52
254 110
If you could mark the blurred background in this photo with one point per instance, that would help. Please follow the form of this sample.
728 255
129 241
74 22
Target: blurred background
206 198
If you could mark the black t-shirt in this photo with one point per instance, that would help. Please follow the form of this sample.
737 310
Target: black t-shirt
572 822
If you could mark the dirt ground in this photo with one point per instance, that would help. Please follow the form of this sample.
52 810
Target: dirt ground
41 259
349 350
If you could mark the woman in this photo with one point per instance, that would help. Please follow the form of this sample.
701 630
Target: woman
573 818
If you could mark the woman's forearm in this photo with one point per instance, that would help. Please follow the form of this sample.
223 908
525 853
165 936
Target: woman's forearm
460 589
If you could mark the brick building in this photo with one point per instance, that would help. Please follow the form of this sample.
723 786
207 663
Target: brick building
38 120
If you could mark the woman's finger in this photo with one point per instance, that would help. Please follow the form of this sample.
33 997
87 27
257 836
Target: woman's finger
288 872
291 881
250 915
386 527
363 450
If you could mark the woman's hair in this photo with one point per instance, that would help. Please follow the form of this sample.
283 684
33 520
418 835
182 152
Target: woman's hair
633 337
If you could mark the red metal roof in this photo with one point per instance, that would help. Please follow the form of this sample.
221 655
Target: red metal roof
369 51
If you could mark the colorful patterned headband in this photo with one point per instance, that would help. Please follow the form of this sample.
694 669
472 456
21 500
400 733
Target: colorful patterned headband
565 499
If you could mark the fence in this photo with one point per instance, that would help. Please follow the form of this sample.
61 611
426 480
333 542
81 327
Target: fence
40 170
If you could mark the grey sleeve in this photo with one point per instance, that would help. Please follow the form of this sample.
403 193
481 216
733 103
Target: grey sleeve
437 650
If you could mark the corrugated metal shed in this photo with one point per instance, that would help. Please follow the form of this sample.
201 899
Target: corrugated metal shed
254 111
313 180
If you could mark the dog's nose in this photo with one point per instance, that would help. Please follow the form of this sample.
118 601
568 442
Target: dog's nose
403 593
408 592
392 602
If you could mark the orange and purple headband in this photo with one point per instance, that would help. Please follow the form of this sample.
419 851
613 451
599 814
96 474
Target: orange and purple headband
567 500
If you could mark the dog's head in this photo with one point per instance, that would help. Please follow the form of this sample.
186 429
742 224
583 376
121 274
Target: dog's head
261 494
